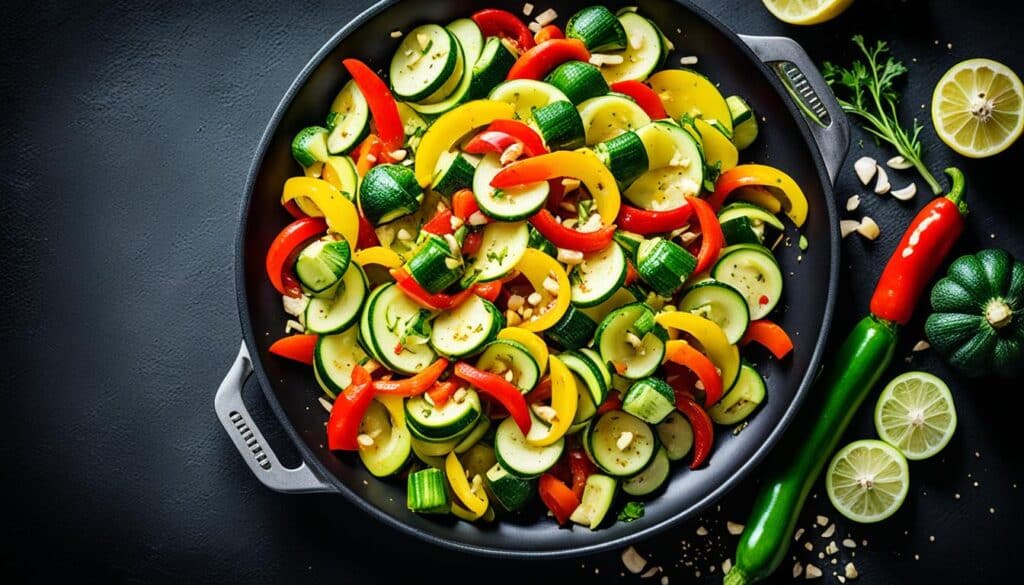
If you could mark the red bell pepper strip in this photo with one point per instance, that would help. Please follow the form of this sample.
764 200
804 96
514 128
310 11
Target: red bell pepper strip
371 152
769 335
542 59
295 347
642 221
441 392
612 402
501 390
488 290
703 430
491 141
464 204
712 239
581 468
923 248
367 235
471 245
547 33
433 301
293 210
504 24
348 410
500 134
644 97
415 385
564 237
286 247
541 392
440 224
557 497
685 354
382 104
631 274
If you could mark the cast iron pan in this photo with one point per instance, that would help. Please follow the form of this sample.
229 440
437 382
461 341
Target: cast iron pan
811 153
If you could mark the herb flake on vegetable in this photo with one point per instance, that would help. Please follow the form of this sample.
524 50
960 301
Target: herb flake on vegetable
631 511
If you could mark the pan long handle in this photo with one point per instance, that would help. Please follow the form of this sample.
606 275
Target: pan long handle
249 440
803 81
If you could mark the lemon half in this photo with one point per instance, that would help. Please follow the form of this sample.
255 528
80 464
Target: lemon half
806 11
978 107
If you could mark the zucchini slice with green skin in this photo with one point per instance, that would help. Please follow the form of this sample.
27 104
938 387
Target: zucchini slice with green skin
758 219
721 303
676 435
519 457
746 395
526 95
511 492
459 86
645 53
630 243
502 246
334 358
598 28
603 436
470 38
754 272
559 125
424 62
573 331
454 171
668 144
434 266
329 315
322 263
389 192
631 360
502 355
426 448
591 372
585 407
340 171
427 492
650 400
598 276
624 156
512 204
438 425
595 358
393 324
744 122
348 121
413 125
391 443
741 231
310 146
664 265
598 495
621 298
466 329
579 81
537 241
491 68
608 116
433 461
651 478
474 436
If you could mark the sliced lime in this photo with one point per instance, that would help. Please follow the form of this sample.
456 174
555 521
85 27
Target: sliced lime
867 481
915 414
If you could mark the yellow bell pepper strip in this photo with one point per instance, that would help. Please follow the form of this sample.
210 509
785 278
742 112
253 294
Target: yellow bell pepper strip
779 184
340 213
563 400
580 164
474 500
379 255
534 344
683 91
758 196
718 148
450 128
711 339
537 267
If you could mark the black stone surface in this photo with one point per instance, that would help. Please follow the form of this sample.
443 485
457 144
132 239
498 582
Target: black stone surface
126 134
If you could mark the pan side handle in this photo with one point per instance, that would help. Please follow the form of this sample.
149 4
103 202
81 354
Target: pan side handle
807 88
251 444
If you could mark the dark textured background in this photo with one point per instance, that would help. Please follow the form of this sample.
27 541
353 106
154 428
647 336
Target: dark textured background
127 130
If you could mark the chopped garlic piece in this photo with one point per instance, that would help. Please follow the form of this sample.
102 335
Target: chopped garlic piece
921 345
527 9
850 571
624 440
829 531
423 40
882 186
853 202
364 440
547 17
812 572
571 257
544 412
868 228
899 163
848 226
633 560
865 167
688 60
396 34
734 528
905 194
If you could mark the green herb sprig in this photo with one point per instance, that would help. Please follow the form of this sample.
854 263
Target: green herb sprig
631 511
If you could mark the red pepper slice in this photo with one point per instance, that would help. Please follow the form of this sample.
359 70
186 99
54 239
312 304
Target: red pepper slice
440 224
441 392
371 152
564 237
685 354
367 235
642 221
293 210
382 104
547 33
712 238
581 468
542 59
557 497
417 384
488 290
471 245
631 274
703 430
504 24
612 402
501 390
464 204
500 134
295 347
286 247
644 97
433 301
491 141
541 392
348 410
770 335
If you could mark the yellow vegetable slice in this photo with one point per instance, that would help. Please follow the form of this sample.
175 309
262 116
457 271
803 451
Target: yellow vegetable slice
563 399
537 266
340 213
711 339
534 344
683 91
474 500
450 128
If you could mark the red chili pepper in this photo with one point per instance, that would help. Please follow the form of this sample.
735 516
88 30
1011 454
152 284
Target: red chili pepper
441 392
488 290
417 384
564 237
581 468
367 235
348 410
382 104
923 248
557 497
712 238
433 301
612 402
295 347
464 204
542 59
440 224
541 392
501 390
644 97
547 33
504 24
471 245
642 221
703 430
770 335
685 354
286 247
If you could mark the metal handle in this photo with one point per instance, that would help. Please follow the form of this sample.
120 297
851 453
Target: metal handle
803 81
249 440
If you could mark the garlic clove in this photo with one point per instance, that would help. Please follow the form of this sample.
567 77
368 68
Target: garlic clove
899 163
848 226
865 168
868 228
905 194
853 202
882 186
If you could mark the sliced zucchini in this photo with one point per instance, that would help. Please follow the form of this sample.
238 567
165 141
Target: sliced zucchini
617 340
427 492
651 478
491 68
310 146
506 204
605 434
598 495
519 457
608 116
434 461
391 441
621 298
595 358
454 171
676 434
322 263
340 171
645 53
573 331
669 145
664 265
349 119
746 395
719 151
504 355
511 492
585 407
650 400
742 220
440 424
424 63
598 276
470 39
591 372
389 192
466 329
456 90
426 448
325 315
754 272
434 265
579 81
394 324
413 125
721 303
502 246
624 155
598 28
744 122
474 436
526 95
334 358
630 243
537 241
559 125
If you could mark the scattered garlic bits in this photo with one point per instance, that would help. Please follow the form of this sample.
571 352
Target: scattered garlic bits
688 60
848 226
882 186
905 194
633 561
547 17
853 202
734 528
868 228
865 167
527 9
812 572
396 34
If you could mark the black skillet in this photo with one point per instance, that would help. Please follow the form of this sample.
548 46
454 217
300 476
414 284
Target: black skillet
802 132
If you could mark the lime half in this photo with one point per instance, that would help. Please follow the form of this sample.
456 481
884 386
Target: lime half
867 481
978 107
915 414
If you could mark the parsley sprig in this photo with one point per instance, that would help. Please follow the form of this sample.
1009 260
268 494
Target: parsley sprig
871 95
